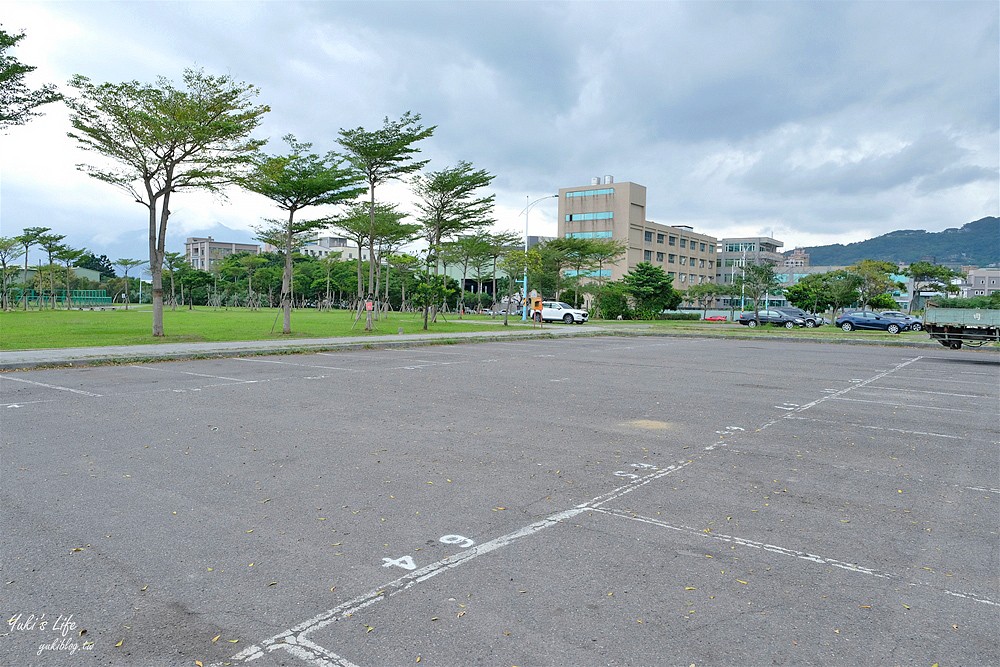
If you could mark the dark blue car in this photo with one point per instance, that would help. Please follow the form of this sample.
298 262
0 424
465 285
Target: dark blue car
863 319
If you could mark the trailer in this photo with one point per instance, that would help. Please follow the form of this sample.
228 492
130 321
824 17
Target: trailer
955 327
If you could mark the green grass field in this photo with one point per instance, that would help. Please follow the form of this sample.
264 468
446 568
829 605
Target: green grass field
92 328
60 329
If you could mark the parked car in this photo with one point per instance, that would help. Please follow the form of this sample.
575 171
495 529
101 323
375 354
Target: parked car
811 319
775 317
716 318
863 319
916 324
553 311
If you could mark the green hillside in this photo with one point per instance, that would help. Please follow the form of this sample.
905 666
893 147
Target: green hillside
976 243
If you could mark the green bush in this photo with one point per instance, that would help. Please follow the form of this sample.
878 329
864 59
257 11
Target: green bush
679 316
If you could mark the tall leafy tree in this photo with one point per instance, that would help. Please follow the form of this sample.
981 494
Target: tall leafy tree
51 243
844 288
163 139
173 261
10 252
812 293
18 102
927 276
651 289
30 236
876 278
69 256
100 264
384 155
127 264
757 282
450 202
295 181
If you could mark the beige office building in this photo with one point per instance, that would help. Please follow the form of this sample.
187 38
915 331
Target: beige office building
207 254
608 210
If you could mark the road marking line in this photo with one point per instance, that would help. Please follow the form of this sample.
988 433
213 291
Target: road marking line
801 555
51 386
906 405
979 488
201 375
874 428
293 637
288 363
936 393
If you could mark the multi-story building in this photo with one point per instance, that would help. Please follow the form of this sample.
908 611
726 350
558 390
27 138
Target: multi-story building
981 282
608 210
338 246
207 253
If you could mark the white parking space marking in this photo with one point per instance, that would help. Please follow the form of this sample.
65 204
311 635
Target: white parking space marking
200 375
801 555
979 488
289 363
24 403
874 428
50 386
924 391
291 639
911 406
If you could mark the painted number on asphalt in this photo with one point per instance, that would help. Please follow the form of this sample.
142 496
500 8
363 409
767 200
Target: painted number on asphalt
407 562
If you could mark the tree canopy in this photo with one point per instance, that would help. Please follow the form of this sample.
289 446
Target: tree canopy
162 139
18 102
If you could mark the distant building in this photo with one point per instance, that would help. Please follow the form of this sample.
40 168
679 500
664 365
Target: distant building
207 253
608 210
736 253
796 258
980 282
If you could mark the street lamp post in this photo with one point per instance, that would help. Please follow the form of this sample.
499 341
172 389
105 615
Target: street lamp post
524 289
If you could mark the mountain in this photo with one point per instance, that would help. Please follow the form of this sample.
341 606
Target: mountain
976 243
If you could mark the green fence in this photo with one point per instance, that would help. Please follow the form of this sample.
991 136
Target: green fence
78 298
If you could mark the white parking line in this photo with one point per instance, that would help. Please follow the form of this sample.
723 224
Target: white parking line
289 363
292 639
802 555
200 375
874 428
911 406
50 386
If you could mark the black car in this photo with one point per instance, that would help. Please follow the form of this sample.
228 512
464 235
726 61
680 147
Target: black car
775 317
810 319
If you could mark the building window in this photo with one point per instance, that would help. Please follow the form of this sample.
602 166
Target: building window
684 243
701 247
672 240
647 236
601 215
590 193
671 258
683 277
701 264
659 239
647 255
684 260
659 257
588 235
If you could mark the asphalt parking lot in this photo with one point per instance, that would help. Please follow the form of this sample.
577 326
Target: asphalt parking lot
597 501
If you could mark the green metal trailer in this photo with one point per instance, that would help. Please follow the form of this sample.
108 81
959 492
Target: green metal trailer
954 327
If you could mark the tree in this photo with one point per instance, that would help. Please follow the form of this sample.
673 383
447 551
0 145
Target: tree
651 289
812 293
875 278
381 156
30 236
51 243
465 252
17 101
295 181
126 265
100 264
68 256
163 140
930 277
10 252
759 281
499 244
702 295
577 255
173 262
843 289
450 204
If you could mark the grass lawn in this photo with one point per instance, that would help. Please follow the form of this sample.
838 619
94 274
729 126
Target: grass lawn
90 328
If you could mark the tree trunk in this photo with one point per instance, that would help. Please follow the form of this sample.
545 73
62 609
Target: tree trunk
286 279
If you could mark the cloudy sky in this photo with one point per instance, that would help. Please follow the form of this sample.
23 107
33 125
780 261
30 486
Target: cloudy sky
813 122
